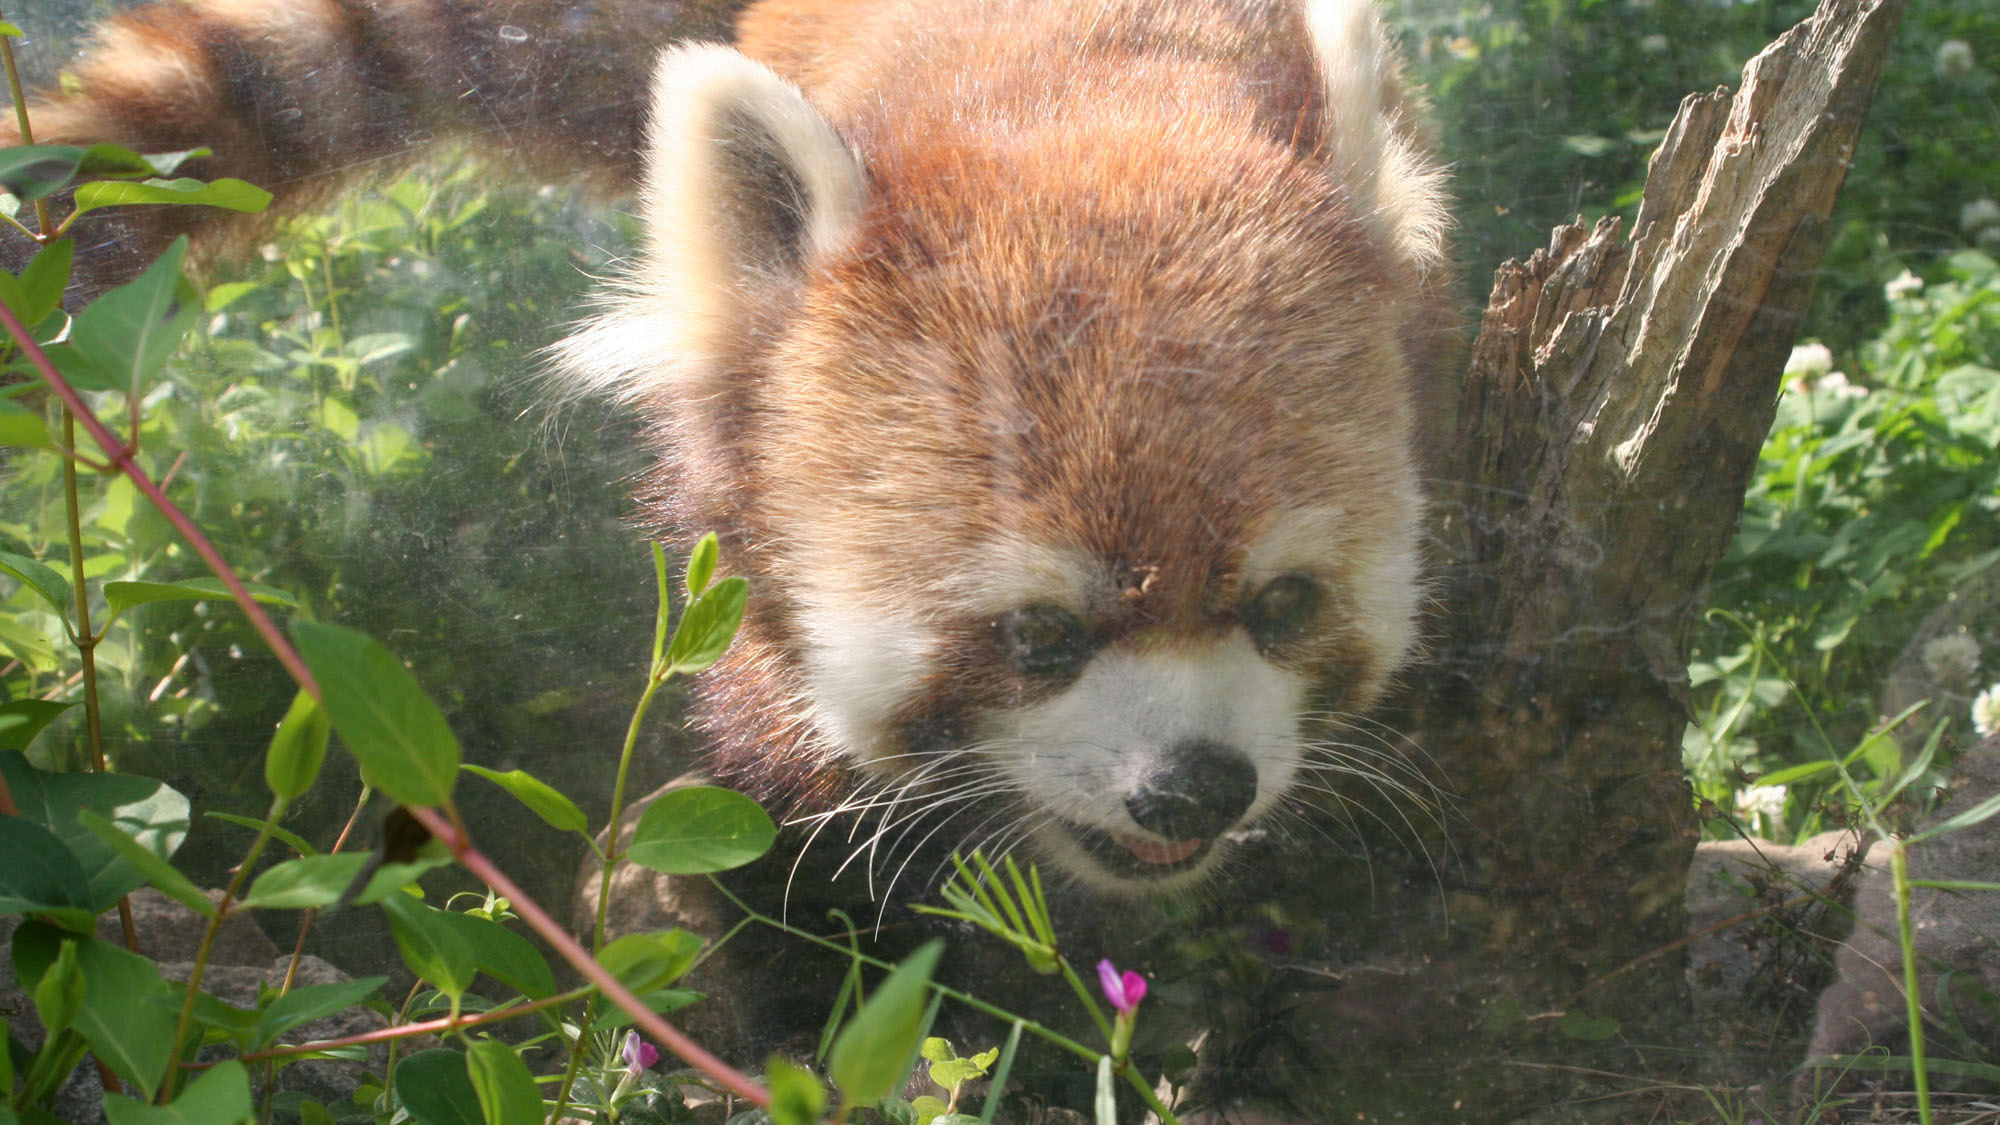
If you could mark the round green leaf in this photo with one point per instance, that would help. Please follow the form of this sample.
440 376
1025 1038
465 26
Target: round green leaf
699 830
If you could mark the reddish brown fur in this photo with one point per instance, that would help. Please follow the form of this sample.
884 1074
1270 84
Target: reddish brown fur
1018 155
1010 158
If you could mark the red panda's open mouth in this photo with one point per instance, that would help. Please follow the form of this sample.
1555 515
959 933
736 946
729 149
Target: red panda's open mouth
1141 858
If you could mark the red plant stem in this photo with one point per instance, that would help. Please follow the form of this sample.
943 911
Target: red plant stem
408 1030
659 1030
120 455
442 828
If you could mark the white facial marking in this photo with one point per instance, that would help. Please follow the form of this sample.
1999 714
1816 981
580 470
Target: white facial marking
1010 572
1081 754
862 662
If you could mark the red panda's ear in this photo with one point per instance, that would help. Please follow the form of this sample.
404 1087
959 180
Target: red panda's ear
1372 146
745 186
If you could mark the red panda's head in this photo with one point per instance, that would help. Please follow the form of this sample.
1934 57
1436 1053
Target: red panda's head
1066 437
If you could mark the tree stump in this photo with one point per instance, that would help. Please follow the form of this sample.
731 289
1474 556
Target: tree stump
1591 476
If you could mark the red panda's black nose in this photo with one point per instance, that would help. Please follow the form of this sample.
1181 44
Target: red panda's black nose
1201 790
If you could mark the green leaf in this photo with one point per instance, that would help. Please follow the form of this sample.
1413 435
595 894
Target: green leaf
701 829
306 882
105 159
285 836
143 808
948 1069
24 429
308 1003
44 279
59 994
151 864
431 948
555 809
221 1096
501 953
701 564
29 172
437 1089
797 1098
121 596
125 1028
643 962
226 1021
121 339
39 873
321 880
38 577
392 728
22 719
506 1088
874 1050
298 749
708 626
661 1000
228 194
1977 813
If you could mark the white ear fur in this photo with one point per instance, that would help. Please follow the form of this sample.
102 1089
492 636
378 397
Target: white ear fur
745 186
1368 148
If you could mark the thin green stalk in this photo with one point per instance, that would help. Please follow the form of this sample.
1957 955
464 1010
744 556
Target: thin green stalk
40 233
208 936
1046 1034
1899 868
86 639
656 675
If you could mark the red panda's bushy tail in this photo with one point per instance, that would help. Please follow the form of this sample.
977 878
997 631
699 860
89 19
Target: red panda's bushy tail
299 96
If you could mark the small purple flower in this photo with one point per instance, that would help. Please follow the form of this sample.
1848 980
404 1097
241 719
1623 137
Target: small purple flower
639 1055
1123 990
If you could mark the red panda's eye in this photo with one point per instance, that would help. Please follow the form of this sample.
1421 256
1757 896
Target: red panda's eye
1282 610
1044 642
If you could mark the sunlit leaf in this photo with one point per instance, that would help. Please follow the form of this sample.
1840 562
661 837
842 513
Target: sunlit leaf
700 829
405 747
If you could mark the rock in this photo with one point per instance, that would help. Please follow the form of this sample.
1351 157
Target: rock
1955 932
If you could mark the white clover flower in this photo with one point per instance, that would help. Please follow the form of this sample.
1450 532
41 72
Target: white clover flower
1954 57
1809 361
1653 44
1905 284
1977 215
1952 658
1767 801
1838 383
1986 711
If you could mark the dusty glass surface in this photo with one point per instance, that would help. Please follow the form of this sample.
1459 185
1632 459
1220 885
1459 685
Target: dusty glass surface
1480 917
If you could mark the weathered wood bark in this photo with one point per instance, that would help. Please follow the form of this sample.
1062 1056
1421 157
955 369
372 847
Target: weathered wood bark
1610 419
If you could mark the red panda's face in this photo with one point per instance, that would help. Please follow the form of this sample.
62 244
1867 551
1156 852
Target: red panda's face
1097 521
1071 462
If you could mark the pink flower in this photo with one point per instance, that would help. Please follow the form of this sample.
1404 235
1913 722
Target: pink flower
638 1054
1123 990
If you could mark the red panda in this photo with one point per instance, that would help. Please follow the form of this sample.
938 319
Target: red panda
1049 368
